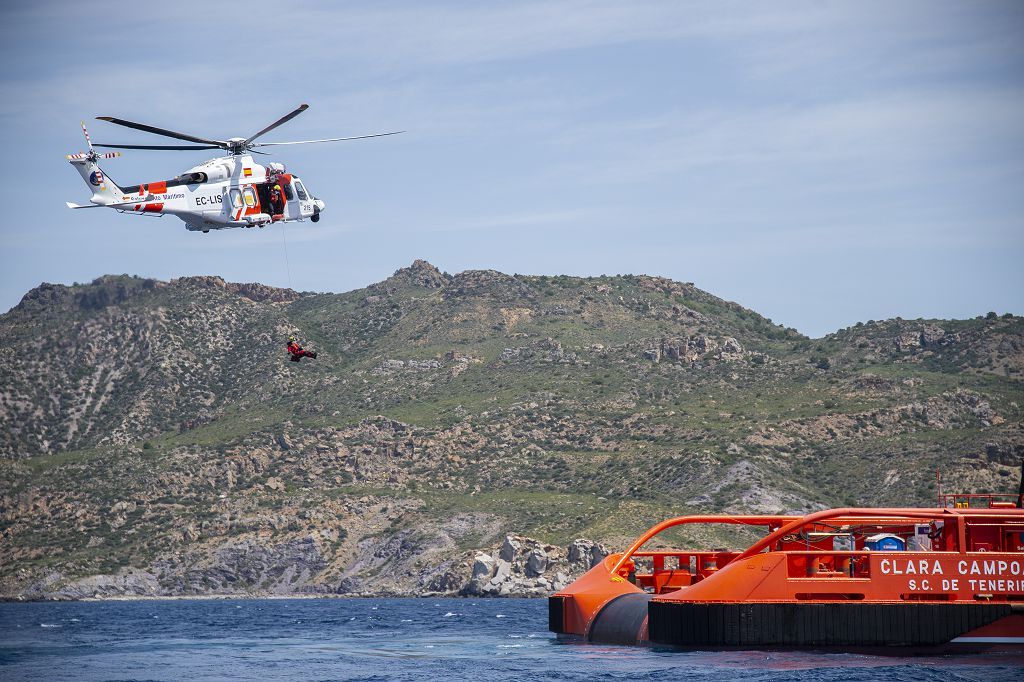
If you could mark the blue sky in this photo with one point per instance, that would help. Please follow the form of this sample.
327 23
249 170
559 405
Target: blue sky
820 162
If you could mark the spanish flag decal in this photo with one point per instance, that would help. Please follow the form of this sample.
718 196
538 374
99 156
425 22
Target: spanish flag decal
247 172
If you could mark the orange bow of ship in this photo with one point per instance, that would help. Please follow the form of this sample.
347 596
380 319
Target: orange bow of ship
945 579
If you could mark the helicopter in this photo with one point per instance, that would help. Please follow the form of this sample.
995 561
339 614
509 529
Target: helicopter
228 191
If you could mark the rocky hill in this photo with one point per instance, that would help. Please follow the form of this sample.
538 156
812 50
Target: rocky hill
457 433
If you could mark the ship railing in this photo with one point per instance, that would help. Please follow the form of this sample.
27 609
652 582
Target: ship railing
669 570
979 500
771 523
957 519
781 527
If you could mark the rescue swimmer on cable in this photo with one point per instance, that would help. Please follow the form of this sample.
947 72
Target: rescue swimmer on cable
228 191
297 352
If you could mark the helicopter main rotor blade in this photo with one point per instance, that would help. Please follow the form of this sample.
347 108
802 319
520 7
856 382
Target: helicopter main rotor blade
159 146
330 139
283 119
161 131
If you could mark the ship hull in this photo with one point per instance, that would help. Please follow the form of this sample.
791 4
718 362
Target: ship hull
895 627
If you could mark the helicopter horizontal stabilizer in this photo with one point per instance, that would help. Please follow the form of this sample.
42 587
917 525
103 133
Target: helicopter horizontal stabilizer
115 204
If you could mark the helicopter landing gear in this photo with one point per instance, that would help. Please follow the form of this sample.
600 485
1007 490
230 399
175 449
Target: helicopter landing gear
316 215
206 231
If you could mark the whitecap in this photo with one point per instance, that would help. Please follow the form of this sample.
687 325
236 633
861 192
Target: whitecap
74 620
373 608
510 646
352 618
501 615
406 620
428 646
449 614
48 625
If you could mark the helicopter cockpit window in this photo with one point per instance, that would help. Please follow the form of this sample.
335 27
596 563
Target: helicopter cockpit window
250 196
301 190
236 198
289 191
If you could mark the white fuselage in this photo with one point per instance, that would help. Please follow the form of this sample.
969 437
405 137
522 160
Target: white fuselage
229 191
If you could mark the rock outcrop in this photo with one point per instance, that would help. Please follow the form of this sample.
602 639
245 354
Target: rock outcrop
524 567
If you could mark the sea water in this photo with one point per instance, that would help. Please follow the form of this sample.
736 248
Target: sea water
390 639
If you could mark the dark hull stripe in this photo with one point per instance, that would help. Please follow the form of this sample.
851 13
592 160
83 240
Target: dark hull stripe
817 624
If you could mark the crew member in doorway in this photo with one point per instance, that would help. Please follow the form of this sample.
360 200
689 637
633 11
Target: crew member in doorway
297 352
277 200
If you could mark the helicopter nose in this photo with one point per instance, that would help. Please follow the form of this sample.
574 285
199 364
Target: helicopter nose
318 205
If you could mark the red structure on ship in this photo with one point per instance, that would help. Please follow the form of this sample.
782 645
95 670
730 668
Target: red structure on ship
935 580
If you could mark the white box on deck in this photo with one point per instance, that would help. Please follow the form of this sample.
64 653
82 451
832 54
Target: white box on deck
920 542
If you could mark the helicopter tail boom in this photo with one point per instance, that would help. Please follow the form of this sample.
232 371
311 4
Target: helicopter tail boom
104 190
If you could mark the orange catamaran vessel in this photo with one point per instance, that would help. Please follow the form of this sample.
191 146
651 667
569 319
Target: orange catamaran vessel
948 579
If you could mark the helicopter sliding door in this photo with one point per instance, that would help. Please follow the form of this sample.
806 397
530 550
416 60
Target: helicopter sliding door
305 199
299 204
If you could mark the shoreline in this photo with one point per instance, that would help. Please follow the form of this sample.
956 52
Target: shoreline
241 597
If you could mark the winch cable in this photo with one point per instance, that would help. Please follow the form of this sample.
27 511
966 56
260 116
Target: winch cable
287 265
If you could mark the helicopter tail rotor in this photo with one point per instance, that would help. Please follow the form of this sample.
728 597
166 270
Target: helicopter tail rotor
92 154
104 190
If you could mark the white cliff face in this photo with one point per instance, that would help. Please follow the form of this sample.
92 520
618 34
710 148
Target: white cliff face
524 567
535 570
